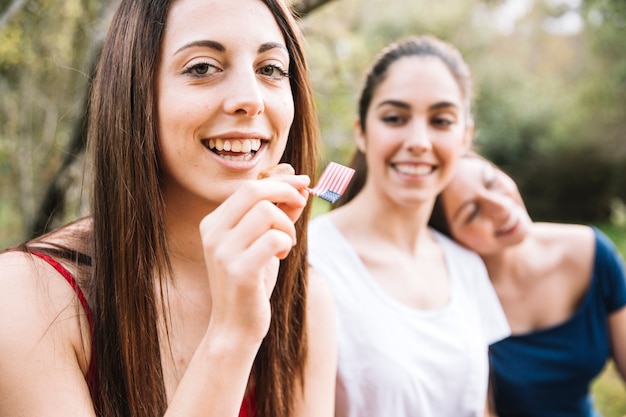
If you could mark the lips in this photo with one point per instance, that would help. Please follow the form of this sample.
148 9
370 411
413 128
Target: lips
233 149
510 224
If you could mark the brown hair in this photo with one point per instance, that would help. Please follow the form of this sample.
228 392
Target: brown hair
127 246
420 46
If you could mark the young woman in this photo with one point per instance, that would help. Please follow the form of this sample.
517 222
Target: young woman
416 312
562 287
189 292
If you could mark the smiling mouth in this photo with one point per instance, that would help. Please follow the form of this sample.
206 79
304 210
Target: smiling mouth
415 170
509 225
233 149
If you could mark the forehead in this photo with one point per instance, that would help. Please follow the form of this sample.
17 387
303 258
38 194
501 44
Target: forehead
468 178
420 77
231 22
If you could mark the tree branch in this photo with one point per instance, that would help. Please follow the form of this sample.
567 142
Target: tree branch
304 7
11 11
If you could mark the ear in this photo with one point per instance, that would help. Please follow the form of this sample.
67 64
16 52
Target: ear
359 135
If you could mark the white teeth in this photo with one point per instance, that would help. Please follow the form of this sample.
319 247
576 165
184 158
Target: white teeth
242 157
236 145
410 169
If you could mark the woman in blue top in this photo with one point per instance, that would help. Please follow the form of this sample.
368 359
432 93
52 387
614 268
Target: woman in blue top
562 287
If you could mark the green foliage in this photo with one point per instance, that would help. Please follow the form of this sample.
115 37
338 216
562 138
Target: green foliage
44 59
550 108
609 389
608 392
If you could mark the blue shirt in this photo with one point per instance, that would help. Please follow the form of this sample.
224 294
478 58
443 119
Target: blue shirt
548 372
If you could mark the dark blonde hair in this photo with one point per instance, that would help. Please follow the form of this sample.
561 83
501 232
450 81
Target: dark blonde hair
413 46
125 250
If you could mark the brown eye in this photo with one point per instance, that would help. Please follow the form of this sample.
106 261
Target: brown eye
201 69
442 122
273 71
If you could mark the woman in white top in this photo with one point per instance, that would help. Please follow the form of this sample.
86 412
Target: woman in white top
416 312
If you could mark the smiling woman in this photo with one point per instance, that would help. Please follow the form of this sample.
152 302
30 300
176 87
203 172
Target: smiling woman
416 312
189 293
561 286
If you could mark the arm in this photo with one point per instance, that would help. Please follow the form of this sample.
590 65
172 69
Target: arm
44 339
318 399
243 241
617 325
614 271
44 359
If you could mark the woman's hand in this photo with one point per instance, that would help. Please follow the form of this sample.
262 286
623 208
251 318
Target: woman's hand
244 240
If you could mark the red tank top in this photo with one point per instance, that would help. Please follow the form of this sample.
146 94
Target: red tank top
247 408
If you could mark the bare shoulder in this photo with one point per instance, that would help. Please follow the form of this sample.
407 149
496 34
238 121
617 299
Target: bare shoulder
26 279
575 241
35 300
572 250
44 341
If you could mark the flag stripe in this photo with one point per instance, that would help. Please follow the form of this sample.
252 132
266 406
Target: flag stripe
333 181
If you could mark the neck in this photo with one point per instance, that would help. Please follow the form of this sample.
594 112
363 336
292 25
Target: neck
404 227
513 262
184 240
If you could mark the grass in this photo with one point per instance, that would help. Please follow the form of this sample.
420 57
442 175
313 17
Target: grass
609 390
609 393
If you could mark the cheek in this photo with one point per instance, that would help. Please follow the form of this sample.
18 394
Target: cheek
381 141
179 107
284 104
288 115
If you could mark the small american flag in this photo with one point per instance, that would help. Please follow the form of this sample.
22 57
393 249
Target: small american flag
333 182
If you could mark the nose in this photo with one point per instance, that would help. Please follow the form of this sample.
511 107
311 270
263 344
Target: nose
244 95
497 205
418 140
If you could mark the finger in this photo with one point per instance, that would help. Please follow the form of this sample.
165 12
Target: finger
254 265
280 169
262 217
271 244
229 213
300 182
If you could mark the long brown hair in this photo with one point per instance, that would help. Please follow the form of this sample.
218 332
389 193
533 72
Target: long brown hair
129 244
421 46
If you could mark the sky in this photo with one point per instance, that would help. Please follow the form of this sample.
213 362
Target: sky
505 17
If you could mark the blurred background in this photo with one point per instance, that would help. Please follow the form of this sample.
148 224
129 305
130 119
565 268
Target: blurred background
550 105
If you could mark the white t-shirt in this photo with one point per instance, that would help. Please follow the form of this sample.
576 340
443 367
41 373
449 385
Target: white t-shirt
396 361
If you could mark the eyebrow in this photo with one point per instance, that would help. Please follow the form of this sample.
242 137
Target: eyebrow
221 48
402 104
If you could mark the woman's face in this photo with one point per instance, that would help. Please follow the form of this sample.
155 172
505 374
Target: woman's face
484 208
224 98
415 130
